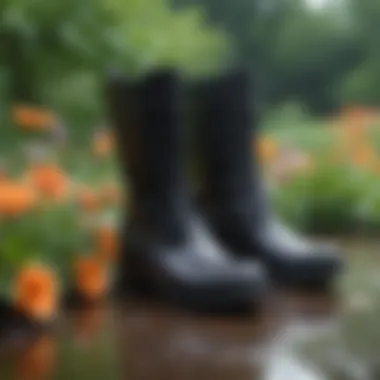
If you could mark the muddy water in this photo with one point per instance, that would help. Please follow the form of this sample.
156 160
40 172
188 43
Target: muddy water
300 337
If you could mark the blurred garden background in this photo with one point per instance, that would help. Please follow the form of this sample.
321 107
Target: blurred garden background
318 81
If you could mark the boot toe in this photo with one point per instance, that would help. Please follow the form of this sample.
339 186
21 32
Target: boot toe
242 281
318 268
252 274
222 286
327 260
236 287
248 278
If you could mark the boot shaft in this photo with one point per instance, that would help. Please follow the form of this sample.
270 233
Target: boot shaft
147 116
227 129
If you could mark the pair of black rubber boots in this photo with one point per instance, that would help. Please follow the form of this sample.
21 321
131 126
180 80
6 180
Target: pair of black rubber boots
215 250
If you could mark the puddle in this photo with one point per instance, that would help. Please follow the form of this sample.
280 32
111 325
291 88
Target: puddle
299 337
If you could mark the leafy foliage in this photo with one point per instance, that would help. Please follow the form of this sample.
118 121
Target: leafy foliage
57 53
322 58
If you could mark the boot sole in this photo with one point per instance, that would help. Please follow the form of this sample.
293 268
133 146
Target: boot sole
318 281
209 301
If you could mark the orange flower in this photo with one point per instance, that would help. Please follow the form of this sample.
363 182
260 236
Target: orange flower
50 181
106 240
3 176
357 114
267 149
91 277
102 143
16 199
87 199
37 360
291 163
32 118
364 156
110 193
36 292
353 134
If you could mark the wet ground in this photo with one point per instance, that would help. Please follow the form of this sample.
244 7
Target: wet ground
295 337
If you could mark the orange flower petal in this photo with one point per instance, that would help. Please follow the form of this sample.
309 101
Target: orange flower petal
110 193
88 200
102 143
32 118
16 198
267 148
36 292
50 181
363 156
107 242
91 277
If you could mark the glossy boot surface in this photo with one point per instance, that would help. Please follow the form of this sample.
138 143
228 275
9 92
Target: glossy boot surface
166 248
232 195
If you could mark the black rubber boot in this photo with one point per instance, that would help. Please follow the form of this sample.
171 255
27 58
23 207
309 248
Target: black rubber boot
232 194
166 249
